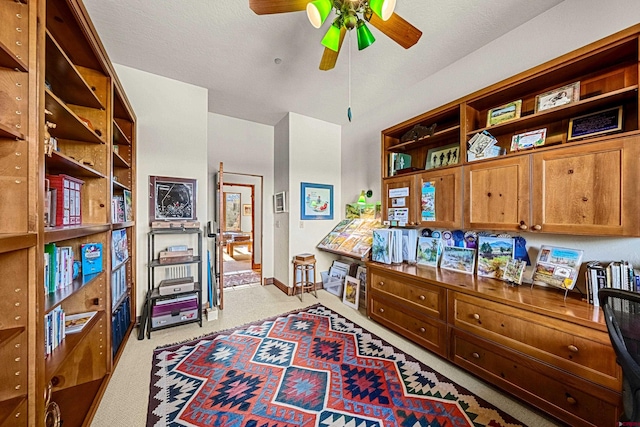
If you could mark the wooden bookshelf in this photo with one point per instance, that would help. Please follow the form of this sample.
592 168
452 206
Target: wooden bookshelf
52 60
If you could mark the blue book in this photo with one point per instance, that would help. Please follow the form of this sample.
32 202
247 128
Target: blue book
91 254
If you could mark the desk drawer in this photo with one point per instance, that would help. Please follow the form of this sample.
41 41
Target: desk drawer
578 349
572 399
429 333
430 300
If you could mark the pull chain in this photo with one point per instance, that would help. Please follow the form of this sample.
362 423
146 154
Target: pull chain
349 106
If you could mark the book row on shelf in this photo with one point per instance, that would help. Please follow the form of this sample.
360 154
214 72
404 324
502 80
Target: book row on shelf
61 268
118 284
120 321
58 325
616 275
121 208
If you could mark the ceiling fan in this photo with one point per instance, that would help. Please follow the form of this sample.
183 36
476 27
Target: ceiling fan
350 14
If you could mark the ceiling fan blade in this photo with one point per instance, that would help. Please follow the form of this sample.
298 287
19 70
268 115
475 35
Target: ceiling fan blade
266 7
399 30
329 57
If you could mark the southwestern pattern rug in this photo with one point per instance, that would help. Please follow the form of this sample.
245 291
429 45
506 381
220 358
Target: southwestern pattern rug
308 368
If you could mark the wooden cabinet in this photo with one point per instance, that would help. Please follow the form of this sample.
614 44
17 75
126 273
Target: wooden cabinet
533 190
400 201
447 184
497 194
588 189
54 69
553 353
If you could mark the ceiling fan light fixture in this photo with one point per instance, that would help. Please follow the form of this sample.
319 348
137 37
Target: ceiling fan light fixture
383 8
365 38
317 12
331 39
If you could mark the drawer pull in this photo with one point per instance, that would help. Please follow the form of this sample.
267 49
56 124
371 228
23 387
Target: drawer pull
476 316
475 355
422 297
423 330
573 348
571 400
381 283
381 310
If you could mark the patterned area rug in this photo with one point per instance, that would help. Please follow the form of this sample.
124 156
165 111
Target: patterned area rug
240 278
308 368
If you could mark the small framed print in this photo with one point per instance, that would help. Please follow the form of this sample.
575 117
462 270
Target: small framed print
279 202
598 123
316 201
246 210
172 198
522 141
351 294
557 97
443 156
504 113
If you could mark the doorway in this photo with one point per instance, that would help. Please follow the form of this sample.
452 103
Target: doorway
241 230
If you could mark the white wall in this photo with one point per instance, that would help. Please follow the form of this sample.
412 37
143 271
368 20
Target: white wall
566 27
281 262
245 148
171 141
314 150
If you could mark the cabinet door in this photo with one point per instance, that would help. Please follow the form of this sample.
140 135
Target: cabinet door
588 189
445 203
400 194
496 194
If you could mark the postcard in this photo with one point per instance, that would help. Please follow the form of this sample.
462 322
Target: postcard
429 251
493 255
458 259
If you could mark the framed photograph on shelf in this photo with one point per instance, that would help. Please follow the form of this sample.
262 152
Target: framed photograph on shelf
557 97
351 293
443 156
458 259
171 198
598 123
279 202
128 208
246 210
504 113
522 141
316 201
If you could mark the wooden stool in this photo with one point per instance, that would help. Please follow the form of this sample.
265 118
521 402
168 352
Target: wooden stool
304 269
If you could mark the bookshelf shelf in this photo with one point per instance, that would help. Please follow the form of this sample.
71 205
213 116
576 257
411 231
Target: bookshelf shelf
9 132
56 234
450 132
61 163
119 137
119 162
120 186
65 79
8 59
7 335
156 263
14 242
56 360
9 407
69 125
56 298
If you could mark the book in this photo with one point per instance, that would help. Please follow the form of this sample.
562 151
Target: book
75 323
428 251
458 259
91 257
493 255
128 205
119 247
117 206
513 271
557 267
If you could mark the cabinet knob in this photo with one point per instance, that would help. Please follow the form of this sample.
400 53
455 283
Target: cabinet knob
422 297
536 227
571 400
381 310
423 330
476 316
522 226
475 355
573 348
381 283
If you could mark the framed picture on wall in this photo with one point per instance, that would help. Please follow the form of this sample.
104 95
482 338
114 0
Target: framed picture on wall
316 201
171 198
246 210
279 202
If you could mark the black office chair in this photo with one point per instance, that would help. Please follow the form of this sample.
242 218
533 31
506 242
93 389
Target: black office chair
622 315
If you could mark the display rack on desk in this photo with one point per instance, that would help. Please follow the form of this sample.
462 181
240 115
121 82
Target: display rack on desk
182 303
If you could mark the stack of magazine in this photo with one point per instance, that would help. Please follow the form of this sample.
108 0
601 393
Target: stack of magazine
352 237
482 146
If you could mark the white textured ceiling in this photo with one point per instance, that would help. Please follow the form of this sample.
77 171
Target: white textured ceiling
223 46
